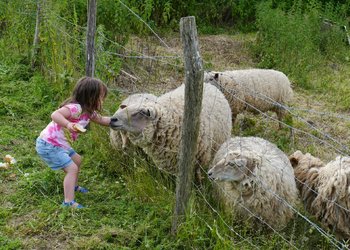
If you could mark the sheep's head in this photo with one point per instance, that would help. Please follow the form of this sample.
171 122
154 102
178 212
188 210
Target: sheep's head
306 168
133 118
305 161
235 166
211 77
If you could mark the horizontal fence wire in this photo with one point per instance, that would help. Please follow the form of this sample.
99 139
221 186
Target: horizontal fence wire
265 185
149 27
232 92
331 239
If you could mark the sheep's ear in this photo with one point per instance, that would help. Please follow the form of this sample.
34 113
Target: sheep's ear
294 161
123 106
241 162
294 158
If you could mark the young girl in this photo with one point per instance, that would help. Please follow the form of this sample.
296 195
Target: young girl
53 145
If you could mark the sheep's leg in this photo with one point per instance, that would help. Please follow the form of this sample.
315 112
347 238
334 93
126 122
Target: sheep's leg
198 176
280 114
234 116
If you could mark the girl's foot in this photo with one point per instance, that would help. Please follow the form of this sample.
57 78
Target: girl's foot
72 204
80 189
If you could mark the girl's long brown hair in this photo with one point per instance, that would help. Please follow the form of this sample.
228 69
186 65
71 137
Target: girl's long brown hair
88 92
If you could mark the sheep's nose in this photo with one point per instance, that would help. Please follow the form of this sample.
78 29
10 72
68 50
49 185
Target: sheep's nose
114 119
210 175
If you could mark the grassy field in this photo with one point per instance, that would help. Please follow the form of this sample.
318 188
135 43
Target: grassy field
130 203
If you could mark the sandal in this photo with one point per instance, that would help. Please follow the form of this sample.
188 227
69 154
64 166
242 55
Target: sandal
72 204
81 189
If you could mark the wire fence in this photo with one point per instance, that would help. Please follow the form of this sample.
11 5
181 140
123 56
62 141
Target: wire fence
173 62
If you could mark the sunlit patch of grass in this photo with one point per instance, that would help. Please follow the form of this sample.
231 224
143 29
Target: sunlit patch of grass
10 244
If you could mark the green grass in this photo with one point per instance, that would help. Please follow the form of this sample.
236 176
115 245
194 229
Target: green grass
130 205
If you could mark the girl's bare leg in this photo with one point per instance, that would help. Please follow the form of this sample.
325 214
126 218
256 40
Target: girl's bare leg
77 160
69 181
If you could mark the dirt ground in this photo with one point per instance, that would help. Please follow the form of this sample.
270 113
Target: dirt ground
165 70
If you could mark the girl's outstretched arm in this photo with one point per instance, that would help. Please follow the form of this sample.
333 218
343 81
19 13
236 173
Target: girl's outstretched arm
102 120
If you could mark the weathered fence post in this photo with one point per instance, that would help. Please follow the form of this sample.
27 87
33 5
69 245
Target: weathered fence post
36 34
90 39
190 125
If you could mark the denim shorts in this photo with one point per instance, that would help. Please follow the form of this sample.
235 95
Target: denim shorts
56 157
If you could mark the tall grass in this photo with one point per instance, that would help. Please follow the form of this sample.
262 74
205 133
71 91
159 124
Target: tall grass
299 41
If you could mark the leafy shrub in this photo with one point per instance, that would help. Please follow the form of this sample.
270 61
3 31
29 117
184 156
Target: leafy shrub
295 41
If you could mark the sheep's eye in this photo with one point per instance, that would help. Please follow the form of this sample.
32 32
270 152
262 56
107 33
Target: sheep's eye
231 163
145 113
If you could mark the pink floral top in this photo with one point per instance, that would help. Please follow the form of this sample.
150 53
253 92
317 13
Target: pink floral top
56 135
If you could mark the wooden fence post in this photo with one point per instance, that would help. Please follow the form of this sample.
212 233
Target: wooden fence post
191 121
36 34
90 39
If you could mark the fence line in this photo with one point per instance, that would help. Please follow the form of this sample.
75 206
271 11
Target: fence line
318 228
305 218
214 142
286 125
266 98
329 114
171 176
140 55
282 200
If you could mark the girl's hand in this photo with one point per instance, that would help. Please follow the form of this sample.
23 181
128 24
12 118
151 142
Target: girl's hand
70 127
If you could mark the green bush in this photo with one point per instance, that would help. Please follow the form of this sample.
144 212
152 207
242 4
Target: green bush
296 41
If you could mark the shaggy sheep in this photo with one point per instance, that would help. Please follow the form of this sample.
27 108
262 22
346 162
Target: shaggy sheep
156 126
253 90
119 139
253 176
325 190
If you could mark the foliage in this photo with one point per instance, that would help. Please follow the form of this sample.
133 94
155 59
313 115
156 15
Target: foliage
300 40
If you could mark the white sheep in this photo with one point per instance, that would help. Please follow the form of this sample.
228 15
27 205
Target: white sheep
156 126
325 190
255 178
119 139
253 90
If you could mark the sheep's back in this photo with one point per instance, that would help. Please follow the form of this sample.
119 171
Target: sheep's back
231 90
261 87
332 204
